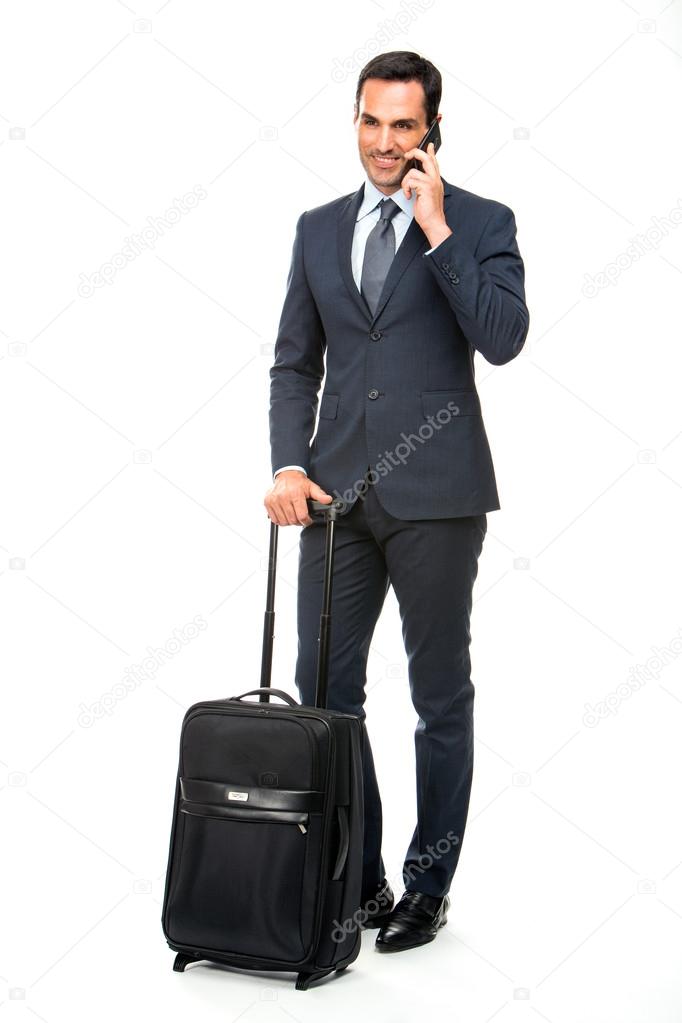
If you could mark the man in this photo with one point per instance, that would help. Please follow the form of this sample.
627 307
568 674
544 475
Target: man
399 284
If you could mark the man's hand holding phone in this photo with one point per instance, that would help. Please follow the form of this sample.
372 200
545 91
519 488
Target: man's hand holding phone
429 207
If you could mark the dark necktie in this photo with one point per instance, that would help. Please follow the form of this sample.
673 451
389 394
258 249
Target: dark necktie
379 253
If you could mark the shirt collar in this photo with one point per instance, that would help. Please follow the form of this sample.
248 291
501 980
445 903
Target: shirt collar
372 196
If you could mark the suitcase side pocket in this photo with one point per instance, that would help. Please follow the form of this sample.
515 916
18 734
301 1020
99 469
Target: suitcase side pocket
242 873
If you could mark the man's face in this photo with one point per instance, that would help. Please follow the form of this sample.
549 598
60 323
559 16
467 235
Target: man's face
390 121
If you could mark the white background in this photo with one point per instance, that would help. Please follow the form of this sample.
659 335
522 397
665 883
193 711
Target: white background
135 458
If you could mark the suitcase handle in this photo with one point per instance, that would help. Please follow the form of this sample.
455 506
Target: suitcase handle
326 510
329 514
268 689
344 843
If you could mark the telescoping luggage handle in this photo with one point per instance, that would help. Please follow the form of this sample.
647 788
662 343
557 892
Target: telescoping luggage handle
322 512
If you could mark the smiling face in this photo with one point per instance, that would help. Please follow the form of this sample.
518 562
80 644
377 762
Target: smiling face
390 121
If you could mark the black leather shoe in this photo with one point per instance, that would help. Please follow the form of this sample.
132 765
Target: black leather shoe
376 908
414 921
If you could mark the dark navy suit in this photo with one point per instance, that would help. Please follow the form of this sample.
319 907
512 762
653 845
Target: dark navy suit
387 373
400 436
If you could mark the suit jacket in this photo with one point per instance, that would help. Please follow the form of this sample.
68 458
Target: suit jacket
399 394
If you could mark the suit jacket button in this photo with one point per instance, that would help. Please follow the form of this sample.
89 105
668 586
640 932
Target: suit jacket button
454 278
373 393
375 335
445 266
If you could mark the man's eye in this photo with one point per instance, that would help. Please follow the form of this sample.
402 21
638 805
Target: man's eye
401 124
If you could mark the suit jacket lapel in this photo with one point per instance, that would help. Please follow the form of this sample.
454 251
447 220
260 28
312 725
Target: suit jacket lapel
414 241
344 236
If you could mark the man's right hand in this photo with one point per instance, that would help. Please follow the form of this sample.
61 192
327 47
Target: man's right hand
285 501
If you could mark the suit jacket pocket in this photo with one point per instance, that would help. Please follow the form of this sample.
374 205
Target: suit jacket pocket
463 402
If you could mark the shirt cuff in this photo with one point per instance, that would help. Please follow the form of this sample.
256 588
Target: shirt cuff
429 251
283 467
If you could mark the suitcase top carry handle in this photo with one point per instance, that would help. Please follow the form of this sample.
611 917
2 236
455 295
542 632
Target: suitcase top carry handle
274 692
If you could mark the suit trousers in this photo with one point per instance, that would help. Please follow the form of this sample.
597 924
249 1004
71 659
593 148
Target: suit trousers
432 565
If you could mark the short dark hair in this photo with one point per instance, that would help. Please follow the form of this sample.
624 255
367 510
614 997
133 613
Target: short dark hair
404 66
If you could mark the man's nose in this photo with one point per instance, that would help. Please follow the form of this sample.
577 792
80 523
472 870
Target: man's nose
385 143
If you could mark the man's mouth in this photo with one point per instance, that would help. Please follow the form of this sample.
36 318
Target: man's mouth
385 161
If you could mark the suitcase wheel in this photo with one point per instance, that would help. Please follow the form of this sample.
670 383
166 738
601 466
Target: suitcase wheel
182 960
304 980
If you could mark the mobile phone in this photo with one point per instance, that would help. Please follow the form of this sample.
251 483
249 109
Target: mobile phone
432 135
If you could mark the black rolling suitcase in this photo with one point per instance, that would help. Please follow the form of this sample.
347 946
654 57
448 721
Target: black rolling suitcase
265 861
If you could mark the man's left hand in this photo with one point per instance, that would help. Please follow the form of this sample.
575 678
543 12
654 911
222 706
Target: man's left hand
429 210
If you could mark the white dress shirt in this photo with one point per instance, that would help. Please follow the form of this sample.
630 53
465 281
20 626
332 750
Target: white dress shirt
368 215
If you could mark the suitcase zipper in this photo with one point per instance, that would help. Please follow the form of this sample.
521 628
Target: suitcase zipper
227 813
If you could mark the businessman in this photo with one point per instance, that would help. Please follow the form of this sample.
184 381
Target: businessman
396 286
